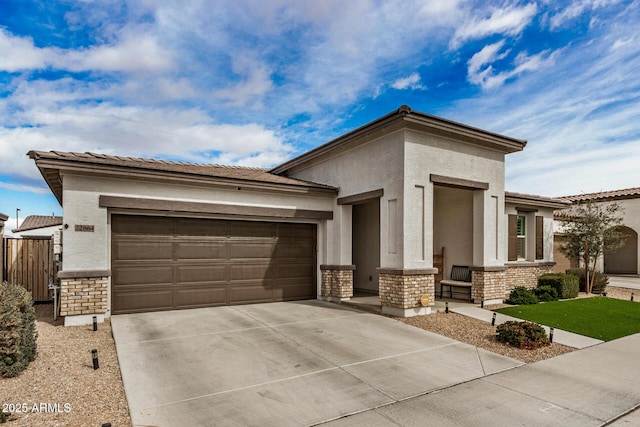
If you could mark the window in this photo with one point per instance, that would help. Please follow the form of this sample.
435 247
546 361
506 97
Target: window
518 239
521 242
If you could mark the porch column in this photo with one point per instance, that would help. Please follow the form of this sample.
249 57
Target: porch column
83 294
488 272
337 282
407 292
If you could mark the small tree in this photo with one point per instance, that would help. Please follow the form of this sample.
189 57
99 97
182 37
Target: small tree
591 230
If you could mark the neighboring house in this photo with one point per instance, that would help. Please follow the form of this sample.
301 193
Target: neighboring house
37 226
3 219
366 212
625 260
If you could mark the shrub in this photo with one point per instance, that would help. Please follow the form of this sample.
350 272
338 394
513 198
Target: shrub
565 285
522 334
599 284
522 296
17 330
546 293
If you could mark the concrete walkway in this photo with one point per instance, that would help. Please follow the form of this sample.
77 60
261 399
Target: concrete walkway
625 281
595 386
559 336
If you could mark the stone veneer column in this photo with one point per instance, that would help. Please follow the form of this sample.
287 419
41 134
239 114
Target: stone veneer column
488 284
84 294
525 274
401 290
336 282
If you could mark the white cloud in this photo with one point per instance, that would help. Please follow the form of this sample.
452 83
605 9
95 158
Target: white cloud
133 52
620 43
185 134
412 81
507 21
575 9
480 70
256 84
25 188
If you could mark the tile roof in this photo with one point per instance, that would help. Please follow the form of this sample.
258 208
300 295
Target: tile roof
194 169
627 193
33 222
531 199
3 217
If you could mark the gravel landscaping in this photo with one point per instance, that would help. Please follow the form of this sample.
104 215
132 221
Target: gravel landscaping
480 334
61 388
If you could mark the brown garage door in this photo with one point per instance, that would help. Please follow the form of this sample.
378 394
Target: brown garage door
161 263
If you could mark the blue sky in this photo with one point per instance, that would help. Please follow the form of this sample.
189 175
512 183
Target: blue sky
255 83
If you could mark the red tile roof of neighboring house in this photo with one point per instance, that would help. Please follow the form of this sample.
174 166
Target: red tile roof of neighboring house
627 193
33 222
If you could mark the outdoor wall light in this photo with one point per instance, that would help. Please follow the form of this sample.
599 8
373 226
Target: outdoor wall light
94 357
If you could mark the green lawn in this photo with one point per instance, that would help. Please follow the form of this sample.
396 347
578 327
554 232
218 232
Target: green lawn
598 317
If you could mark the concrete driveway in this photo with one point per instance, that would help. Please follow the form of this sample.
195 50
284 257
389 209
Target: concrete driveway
293 363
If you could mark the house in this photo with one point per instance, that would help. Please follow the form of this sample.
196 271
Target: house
3 219
365 212
37 226
625 260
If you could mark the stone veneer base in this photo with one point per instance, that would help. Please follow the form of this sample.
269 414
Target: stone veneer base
83 319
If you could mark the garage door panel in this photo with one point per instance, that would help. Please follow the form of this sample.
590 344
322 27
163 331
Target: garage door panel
200 250
170 263
148 275
294 270
201 296
302 231
294 290
251 272
201 227
246 250
250 293
153 299
250 229
141 225
136 250
201 273
295 249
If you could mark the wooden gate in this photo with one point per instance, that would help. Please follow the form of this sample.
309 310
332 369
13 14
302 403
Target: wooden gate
30 263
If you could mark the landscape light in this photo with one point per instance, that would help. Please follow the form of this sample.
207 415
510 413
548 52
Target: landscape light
94 357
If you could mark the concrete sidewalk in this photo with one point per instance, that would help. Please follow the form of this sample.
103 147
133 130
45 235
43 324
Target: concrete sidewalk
595 386
559 336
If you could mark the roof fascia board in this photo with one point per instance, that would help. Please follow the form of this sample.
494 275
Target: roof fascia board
535 201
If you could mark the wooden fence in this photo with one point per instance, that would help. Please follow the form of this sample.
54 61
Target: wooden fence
30 263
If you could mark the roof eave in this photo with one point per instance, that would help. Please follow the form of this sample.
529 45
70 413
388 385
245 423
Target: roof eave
51 171
533 200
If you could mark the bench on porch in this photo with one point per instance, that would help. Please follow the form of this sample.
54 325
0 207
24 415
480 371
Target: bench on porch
459 282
